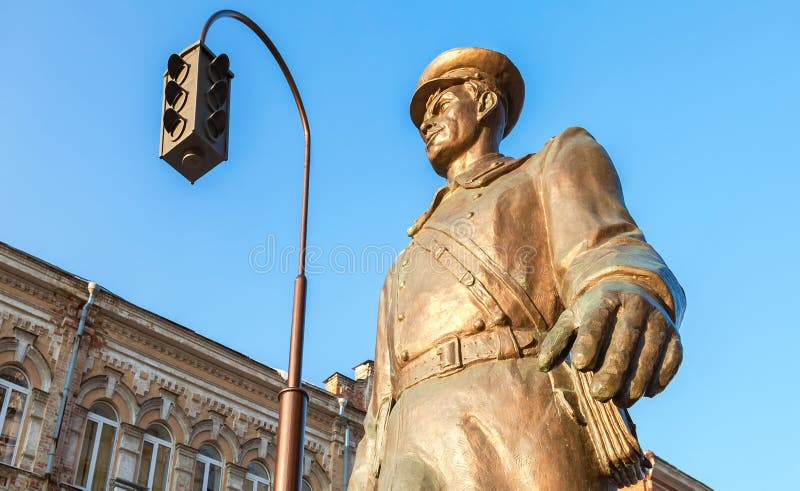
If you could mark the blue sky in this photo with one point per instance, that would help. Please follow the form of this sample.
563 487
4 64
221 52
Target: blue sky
697 104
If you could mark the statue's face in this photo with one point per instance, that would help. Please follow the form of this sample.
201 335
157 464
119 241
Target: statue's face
449 127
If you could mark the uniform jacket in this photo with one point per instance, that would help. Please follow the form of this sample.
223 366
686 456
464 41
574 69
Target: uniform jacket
555 221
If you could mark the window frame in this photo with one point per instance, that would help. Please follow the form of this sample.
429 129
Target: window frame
156 442
207 463
10 387
101 421
258 479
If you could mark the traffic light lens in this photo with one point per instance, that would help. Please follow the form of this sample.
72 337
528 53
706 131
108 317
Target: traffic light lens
218 95
173 123
216 124
175 95
177 68
218 68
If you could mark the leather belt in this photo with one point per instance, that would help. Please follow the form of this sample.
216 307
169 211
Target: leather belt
453 353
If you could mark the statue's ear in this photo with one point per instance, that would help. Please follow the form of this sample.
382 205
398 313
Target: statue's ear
487 103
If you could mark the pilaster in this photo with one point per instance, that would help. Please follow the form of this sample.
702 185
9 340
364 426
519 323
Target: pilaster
130 444
184 467
234 475
33 435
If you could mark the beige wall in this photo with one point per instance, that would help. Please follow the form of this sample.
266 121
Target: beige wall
151 371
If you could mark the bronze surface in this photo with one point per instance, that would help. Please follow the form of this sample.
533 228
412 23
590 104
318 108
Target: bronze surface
525 312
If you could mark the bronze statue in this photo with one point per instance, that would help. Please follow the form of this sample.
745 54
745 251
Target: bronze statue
526 311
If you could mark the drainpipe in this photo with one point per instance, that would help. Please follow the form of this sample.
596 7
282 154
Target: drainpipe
92 286
342 404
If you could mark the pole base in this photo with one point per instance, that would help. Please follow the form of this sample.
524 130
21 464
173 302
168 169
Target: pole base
291 430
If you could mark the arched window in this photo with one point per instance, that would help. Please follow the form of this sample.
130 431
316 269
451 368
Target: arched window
97 448
257 478
207 469
154 459
305 486
14 390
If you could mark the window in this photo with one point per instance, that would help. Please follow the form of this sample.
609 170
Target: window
305 486
154 460
14 389
207 469
97 448
257 478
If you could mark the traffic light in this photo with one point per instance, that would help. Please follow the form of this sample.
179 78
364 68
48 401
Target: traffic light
195 111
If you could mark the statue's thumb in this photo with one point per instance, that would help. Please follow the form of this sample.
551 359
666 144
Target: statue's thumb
556 344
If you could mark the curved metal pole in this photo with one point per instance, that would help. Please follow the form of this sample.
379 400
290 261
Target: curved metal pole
300 108
293 399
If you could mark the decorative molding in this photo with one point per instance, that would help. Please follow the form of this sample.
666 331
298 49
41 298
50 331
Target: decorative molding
265 440
25 339
141 383
45 295
51 301
167 401
31 353
240 426
326 459
112 379
203 363
308 459
217 421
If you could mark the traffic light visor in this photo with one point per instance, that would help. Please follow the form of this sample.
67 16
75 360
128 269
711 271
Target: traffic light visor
216 124
218 68
173 123
174 95
218 95
176 68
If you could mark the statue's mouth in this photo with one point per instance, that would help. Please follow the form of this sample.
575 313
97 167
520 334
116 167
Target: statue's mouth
430 136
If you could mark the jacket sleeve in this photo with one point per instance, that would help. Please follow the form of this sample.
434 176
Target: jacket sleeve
592 236
370 450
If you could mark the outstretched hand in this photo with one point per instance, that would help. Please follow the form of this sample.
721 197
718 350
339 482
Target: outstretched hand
618 331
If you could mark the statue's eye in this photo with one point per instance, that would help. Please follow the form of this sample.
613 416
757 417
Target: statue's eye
441 107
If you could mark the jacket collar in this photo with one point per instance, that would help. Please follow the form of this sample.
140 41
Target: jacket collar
485 170
479 174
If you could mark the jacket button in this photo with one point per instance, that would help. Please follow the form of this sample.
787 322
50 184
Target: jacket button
404 356
479 325
401 316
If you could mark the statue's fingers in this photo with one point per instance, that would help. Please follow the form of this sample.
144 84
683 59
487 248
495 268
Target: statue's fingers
673 356
594 328
556 344
646 361
624 341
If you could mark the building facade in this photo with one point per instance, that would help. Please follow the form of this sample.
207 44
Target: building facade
150 404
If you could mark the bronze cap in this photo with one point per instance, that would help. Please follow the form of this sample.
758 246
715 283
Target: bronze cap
458 65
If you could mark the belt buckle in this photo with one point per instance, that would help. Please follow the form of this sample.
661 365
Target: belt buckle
449 352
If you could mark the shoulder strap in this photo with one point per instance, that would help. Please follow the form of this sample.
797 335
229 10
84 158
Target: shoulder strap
492 278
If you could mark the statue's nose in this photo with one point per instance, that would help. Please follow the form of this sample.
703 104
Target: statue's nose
425 127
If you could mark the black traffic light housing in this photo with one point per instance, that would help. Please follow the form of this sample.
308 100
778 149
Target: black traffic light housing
195 111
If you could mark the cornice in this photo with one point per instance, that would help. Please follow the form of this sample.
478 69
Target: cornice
40 276
175 354
46 302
